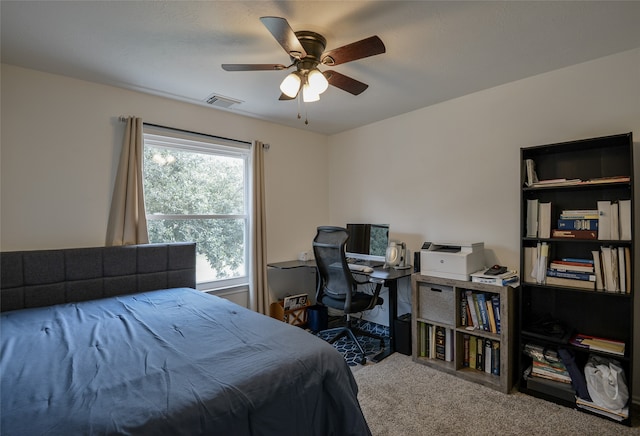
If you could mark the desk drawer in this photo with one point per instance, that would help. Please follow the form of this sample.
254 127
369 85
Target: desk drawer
437 303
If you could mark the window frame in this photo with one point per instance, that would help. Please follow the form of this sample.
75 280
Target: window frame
170 139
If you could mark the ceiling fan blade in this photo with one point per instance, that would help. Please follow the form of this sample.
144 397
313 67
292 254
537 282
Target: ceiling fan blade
253 67
286 37
345 83
357 50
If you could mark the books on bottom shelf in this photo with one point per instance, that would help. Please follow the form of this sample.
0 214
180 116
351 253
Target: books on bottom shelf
618 415
435 342
547 364
481 354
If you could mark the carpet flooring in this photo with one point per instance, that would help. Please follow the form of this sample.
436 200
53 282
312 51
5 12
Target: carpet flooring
400 397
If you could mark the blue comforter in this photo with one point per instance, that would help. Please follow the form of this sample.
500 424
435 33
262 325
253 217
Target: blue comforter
172 362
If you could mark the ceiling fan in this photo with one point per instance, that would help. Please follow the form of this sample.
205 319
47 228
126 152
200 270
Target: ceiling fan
306 50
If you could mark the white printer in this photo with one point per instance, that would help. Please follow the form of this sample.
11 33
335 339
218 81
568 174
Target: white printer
451 260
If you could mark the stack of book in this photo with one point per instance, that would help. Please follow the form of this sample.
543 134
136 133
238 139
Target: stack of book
577 273
509 278
480 311
435 342
614 220
613 269
577 224
547 364
598 344
481 354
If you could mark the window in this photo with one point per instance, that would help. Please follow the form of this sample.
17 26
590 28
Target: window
197 189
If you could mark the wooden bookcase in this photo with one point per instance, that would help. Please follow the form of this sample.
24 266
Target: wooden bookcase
437 302
549 314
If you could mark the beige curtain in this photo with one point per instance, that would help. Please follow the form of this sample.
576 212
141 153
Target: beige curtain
259 291
127 220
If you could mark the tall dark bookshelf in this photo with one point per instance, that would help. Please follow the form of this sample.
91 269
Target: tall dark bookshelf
596 312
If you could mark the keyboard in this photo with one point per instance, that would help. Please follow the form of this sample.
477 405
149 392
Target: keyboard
360 268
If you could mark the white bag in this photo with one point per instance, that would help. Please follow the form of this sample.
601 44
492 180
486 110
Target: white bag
606 382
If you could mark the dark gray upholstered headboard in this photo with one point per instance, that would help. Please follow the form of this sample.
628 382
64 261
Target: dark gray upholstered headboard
48 277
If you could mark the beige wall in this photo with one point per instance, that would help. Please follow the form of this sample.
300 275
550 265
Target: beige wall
61 140
451 171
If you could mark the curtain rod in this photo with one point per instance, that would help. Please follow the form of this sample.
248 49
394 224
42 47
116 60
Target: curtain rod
123 118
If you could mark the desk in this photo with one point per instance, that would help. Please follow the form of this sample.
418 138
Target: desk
388 277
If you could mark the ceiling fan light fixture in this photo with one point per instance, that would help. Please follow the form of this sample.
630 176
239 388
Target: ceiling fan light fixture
291 85
309 95
317 81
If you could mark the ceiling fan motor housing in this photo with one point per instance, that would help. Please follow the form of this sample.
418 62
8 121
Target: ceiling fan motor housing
314 44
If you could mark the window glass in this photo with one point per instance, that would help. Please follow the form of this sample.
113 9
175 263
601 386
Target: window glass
197 191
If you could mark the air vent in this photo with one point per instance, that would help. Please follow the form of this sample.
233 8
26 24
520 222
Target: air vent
224 102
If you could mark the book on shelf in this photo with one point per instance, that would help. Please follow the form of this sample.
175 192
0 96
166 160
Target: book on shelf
622 271
544 220
530 264
464 319
488 355
568 265
473 351
504 279
448 351
532 218
598 344
614 222
495 357
471 304
551 372
579 214
574 234
573 275
625 219
495 302
482 307
541 256
597 267
546 363
530 167
604 180
577 260
571 283
492 318
465 350
554 388
578 224
479 353
616 269
618 415
555 182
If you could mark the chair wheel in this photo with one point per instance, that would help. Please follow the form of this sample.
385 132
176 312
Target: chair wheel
363 361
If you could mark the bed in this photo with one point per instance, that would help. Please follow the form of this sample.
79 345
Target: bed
116 340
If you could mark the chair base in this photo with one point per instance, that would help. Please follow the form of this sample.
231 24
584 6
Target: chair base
351 333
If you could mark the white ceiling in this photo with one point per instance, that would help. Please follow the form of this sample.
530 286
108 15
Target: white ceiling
435 51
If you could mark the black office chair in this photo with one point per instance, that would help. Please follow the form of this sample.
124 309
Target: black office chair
337 286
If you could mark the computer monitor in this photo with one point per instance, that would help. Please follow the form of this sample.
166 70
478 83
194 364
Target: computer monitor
367 241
